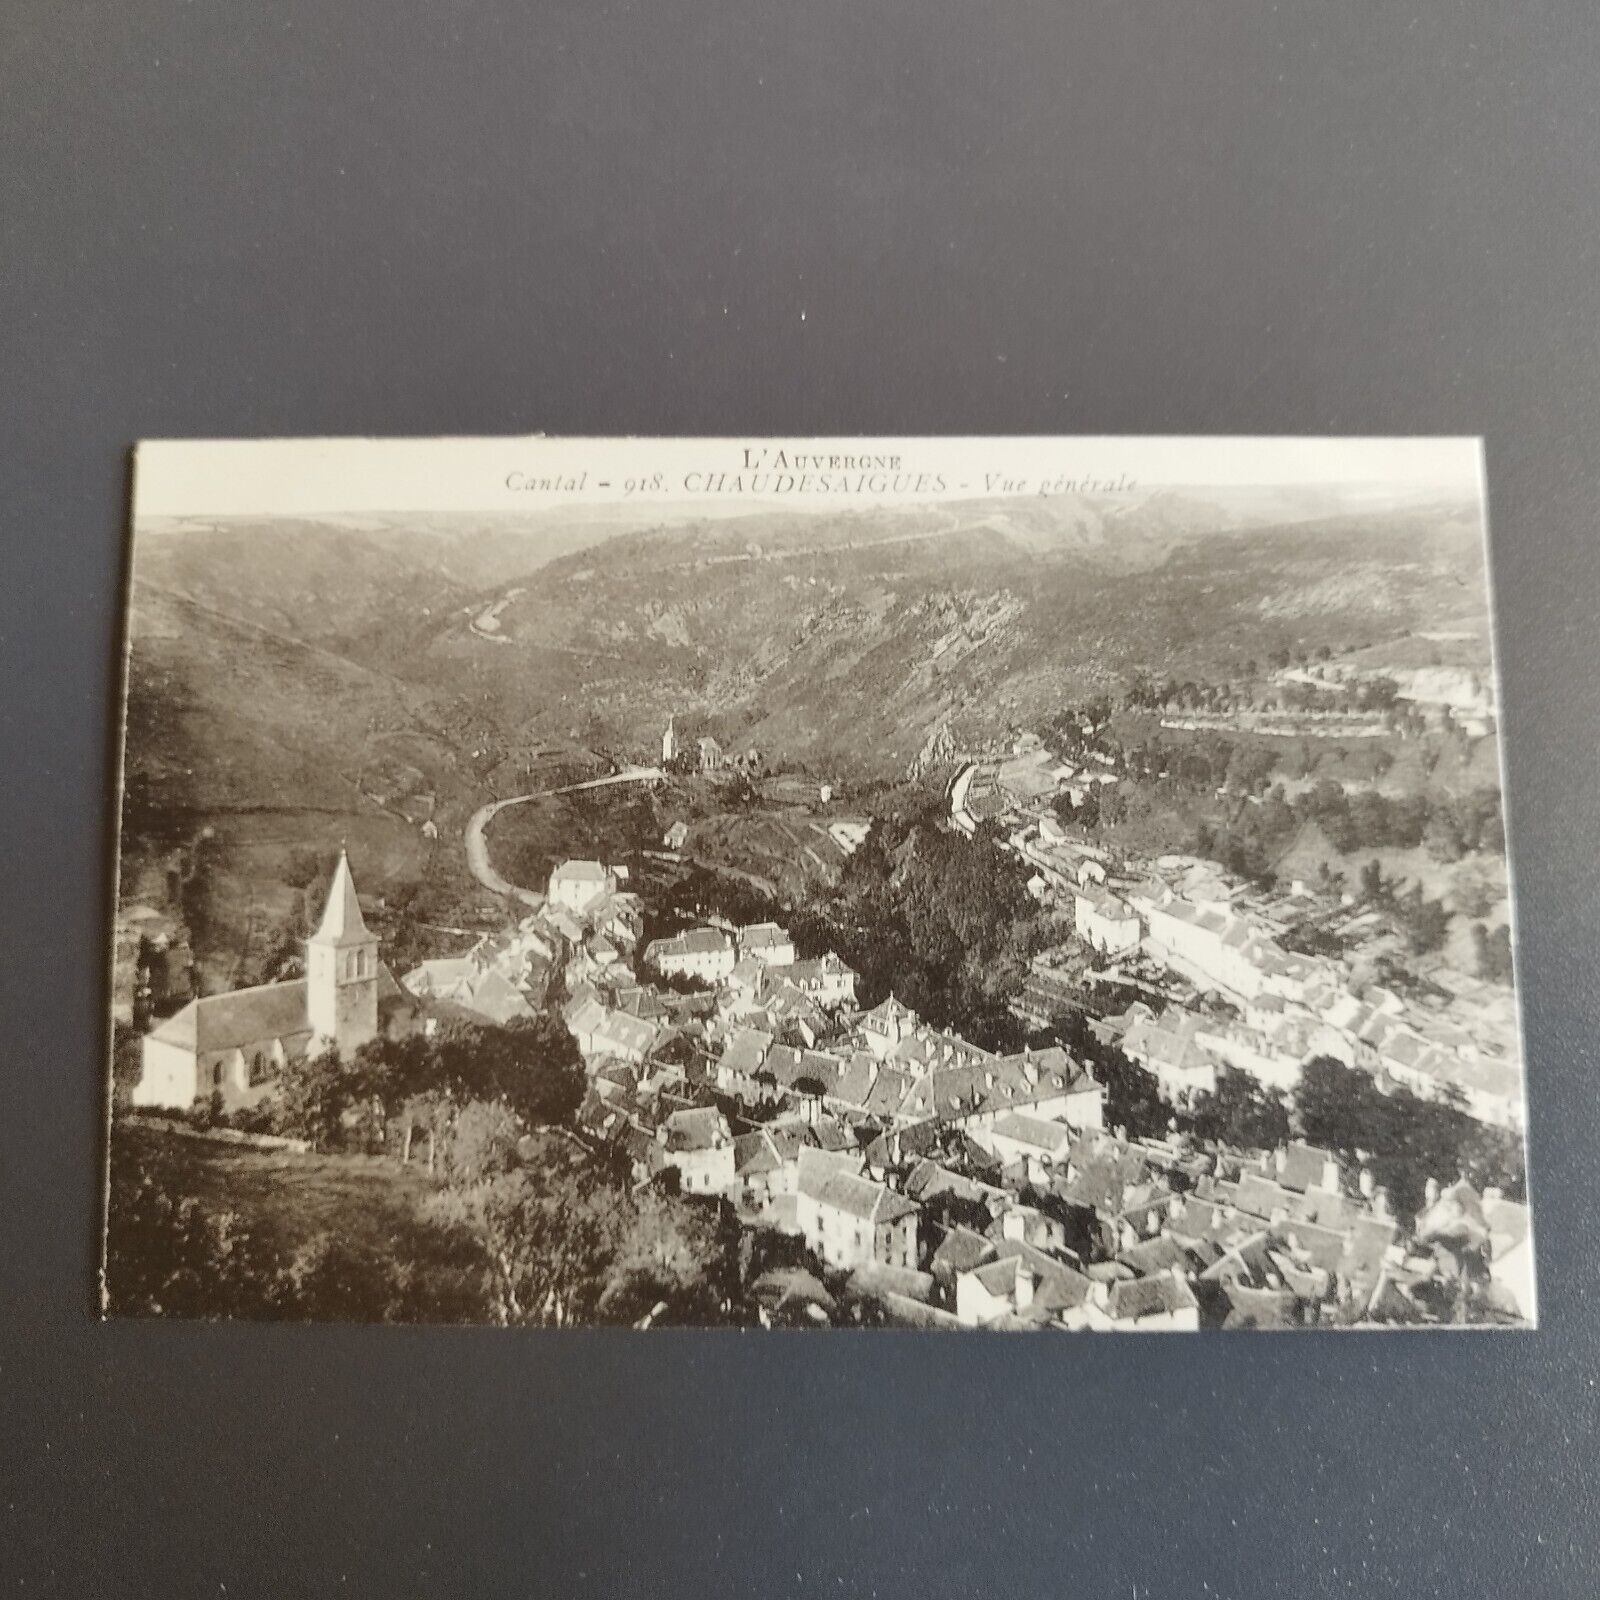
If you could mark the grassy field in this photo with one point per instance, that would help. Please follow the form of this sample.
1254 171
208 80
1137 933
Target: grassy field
285 1198
371 1208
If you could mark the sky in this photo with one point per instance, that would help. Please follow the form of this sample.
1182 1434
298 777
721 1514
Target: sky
291 477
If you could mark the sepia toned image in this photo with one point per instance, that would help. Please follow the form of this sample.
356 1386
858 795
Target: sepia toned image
1024 884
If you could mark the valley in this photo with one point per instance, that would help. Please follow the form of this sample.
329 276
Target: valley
382 678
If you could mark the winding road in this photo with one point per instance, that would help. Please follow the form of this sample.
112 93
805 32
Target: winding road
478 848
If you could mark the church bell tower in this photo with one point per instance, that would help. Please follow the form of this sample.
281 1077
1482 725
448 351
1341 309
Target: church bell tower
342 971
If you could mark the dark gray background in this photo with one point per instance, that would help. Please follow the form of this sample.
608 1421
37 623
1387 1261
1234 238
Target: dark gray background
415 216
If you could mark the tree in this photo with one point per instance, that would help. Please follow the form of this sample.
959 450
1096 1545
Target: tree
1372 881
1405 1140
674 1261
169 1254
1241 1114
481 1143
127 1062
1493 952
1442 837
531 1065
546 1232
313 1094
1133 1101
1426 922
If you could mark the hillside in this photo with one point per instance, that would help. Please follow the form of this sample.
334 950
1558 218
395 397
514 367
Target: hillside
271 749
294 684
365 583
225 714
849 637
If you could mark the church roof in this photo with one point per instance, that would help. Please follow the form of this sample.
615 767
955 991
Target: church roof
342 923
244 1017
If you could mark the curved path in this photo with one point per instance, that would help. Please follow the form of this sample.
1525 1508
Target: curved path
478 848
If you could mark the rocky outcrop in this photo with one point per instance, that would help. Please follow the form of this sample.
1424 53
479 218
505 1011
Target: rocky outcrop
938 751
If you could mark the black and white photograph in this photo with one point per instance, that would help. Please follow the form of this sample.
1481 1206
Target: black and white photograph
1016 884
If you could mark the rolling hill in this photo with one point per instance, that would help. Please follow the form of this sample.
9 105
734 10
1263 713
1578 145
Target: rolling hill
298 682
850 637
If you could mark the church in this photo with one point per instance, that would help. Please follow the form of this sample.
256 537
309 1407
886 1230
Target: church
235 1044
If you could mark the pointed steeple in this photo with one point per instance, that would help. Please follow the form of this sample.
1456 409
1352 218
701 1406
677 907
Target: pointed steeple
342 923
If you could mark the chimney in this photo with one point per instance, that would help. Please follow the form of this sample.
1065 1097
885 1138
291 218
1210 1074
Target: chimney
1024 1285
1380 1203
1013 1225
1280 1160
1430 1192
1367 1184
1330 1175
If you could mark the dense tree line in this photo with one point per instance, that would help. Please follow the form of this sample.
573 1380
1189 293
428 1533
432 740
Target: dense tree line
1448 826
523 1224
1401 1139
530 1066
567 1244
520 1223
170 1252
1241 1114
945 923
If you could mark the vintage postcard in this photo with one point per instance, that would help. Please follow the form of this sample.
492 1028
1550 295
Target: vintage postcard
1053 884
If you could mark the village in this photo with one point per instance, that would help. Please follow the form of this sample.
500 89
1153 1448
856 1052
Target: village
953 1185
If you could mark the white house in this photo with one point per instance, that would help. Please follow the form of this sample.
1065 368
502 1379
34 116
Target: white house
704 953
576 885
1039 1145
848 1219
1108 924
768 943
699 1145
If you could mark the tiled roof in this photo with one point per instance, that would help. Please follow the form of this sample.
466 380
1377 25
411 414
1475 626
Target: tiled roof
702 1129
1303 1166
746 1051
239 1018
754 1153
829 1181
631 1035
1151 1256
580 872
1032 1131
1059 1287
1136 1298
961 1250
691 942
